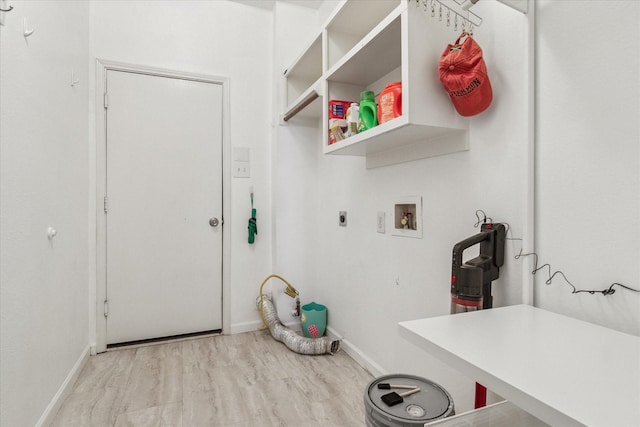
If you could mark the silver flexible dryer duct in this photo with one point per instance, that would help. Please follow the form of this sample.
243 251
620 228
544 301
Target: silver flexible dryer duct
292 340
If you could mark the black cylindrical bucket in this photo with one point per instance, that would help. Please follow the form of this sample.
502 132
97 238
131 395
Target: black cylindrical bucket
431 403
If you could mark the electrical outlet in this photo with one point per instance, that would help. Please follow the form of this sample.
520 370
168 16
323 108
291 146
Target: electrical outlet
381 222
342 218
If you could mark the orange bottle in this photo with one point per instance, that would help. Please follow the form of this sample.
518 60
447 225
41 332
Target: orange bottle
390 102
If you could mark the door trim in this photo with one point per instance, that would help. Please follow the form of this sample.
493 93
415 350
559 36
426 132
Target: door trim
102 66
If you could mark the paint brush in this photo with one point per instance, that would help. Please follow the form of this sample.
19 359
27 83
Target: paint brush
387 386
394 398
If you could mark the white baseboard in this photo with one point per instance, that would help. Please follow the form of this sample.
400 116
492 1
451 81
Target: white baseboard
239 328
67 385
356 354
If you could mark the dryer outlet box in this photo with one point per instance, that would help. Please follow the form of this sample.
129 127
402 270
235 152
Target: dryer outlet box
342 218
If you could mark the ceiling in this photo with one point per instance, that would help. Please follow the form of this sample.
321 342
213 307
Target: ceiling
268 4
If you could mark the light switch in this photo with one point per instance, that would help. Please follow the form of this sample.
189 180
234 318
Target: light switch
380 222
241 162
241 169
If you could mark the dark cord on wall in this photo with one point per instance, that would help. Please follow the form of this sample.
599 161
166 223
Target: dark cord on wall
574 290
608 291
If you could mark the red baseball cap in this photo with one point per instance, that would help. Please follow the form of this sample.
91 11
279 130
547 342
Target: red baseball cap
463 74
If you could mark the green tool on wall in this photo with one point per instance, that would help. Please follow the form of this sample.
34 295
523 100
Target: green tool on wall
253 225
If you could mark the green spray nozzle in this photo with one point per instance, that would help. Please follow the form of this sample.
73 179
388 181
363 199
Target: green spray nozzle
253 225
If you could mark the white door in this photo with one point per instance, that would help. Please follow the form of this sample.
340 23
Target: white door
164 197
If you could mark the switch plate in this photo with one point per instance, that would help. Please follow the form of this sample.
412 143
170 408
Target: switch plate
241 169
241 162
381 222
342 218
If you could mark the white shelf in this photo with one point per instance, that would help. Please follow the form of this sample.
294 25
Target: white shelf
564 371
302 80
519 5
394 134
398 141
376 55
308 106
351 22
366 45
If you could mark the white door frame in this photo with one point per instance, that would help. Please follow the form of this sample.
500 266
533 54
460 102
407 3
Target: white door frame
102 66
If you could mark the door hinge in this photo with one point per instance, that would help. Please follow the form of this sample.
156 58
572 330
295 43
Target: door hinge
106 204
106 308
106 101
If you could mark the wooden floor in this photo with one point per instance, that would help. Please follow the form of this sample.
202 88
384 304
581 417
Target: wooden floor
237 380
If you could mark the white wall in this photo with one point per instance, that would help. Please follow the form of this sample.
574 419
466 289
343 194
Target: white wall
49 167
219 38
294 164
587 186
588 158
43 182
371 281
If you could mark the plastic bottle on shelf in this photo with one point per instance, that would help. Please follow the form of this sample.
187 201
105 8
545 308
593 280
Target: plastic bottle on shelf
368 110
390 102
353 119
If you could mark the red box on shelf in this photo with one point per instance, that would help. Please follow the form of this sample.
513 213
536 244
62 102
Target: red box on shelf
338 109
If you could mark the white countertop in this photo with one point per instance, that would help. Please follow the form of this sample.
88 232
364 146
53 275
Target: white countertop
564 371
501 414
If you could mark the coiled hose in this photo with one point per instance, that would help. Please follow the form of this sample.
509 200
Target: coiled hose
293 341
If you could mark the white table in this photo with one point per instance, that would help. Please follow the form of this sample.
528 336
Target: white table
564 371
501 414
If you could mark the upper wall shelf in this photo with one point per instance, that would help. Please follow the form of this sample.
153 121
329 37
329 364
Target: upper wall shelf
519 5
377 54
351 22
365 45
303 85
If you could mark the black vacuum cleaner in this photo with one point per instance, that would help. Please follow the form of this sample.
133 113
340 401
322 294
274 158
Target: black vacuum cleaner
471 281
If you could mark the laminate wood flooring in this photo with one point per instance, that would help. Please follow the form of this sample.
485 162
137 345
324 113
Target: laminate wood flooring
238 380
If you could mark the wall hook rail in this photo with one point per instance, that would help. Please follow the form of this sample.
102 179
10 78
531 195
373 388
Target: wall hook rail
26 32
456 11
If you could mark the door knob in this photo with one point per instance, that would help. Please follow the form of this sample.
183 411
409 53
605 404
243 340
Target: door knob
214 222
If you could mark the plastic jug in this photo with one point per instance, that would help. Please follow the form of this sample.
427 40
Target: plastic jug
390 102
353 119
368 110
